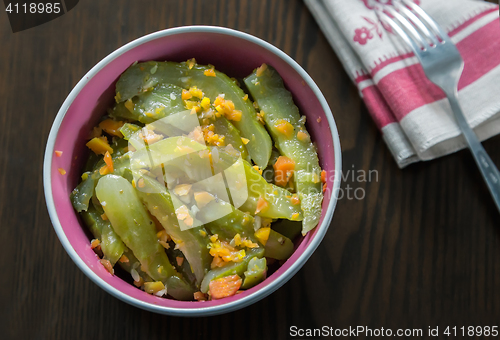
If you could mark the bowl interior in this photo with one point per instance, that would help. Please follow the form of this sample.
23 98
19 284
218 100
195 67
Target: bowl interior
234 55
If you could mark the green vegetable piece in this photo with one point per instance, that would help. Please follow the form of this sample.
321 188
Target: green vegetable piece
255 273
129 129
278 247
134 226
160 102
231 268
279 199
138 79
134 263
232 136
192 242
92 218
91 162
81 195
111 244
276 101
232 222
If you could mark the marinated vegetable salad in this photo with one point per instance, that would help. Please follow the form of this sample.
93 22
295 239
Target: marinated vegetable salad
193 189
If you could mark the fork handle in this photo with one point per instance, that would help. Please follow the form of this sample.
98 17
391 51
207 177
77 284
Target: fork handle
485 164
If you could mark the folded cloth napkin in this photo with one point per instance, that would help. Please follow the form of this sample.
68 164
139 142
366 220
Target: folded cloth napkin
413 114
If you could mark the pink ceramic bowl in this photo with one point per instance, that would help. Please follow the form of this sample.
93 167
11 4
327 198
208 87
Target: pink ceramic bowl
232 52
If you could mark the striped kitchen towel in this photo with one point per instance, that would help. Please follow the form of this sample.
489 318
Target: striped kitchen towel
413 114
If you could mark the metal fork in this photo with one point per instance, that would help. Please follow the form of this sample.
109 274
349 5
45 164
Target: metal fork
443 66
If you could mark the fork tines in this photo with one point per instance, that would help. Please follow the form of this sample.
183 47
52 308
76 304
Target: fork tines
412 24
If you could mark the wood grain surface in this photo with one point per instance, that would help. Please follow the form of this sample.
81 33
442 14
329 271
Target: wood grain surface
421 249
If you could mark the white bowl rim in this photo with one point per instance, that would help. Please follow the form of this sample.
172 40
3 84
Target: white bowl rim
203 311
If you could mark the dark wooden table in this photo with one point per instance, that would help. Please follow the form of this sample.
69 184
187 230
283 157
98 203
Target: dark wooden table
422 249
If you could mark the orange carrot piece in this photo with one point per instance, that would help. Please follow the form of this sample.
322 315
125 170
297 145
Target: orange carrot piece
58 153
112 127
109 161
284 127
224 287
199 296
323 176
283 169
108 266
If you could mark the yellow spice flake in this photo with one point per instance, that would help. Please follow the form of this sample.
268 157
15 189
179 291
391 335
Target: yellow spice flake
209 73
205 103
260 70
186 95
129 104
191 62
196 92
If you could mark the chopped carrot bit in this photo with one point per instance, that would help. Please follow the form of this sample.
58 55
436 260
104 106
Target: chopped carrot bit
261 70
163 236
104 170
104 217
62 171
186 95
179 260
99 145
108 266
217 262
323 176
262 205
205 103
182 189
259 170
318 120
234 115
139 283
209 73
153 287
199 296
109 161
58 153
303 137
245 97
95 242
284 127
124 259
295 199
295 216
245 140
112 127
140 183
202 198
263 234
283 170
196 92
164 244
224 287
324 187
